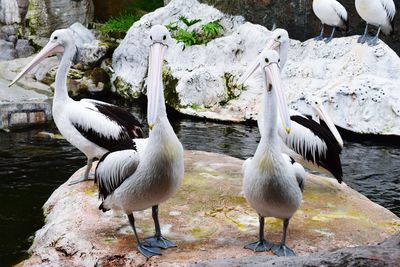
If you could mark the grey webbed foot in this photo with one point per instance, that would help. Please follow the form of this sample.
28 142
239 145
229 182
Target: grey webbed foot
159 242
259 246
283 251
327 40
319 38
373 41
362 39
148 251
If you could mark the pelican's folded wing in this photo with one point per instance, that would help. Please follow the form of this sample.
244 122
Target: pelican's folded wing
113 168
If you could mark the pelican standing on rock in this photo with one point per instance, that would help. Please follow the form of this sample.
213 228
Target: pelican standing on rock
146 174
94 127
271 183
379 13
331 13
315 143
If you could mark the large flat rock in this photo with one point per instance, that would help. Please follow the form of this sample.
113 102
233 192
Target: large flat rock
208 218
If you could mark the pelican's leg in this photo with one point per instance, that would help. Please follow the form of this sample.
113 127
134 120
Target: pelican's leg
321 36
261 245
282 249
331 36
158 240
374 40
364 37
145 249
85 175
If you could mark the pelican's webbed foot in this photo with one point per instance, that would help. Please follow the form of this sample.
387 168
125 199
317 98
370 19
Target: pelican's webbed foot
159 242
259 246
362 39
283 251
148 251
319 38
327 40
373 41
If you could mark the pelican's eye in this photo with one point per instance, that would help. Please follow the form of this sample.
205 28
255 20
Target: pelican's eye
316 102
164 37
279 37
151 37
279 60
266 60
55 37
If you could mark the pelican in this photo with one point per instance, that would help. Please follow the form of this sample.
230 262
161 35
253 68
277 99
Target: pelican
379 13
145 174
315 143
331 13
271 183
94 127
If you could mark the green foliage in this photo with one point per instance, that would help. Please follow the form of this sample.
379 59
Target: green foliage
189 38
118 25
205 34
211 30
188 22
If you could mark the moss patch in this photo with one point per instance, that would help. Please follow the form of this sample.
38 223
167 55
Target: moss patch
170 83
124 89
232 89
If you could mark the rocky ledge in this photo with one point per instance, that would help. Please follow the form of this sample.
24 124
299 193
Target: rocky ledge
210 221
357 84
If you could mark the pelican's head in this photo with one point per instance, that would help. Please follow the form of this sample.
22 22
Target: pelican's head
319 113
160 38
279 41
61 41
269 62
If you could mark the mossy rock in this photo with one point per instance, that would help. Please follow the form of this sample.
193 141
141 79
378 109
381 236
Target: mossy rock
208 218
99 75
170 83
124 89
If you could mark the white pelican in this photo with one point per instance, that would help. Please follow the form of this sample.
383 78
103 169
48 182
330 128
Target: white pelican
379 13
331 13
271 183
315 144
94 127
149 172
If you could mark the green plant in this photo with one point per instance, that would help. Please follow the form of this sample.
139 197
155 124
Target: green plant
145 5
189 38
119 24
188 22
207 32
211 30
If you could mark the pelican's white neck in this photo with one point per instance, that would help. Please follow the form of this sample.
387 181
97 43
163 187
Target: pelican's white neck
61 90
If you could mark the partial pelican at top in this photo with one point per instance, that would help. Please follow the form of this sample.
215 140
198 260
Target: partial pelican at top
331 13
379 13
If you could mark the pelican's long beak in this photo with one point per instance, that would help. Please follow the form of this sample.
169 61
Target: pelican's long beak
320 111
50 49
273 76
154 85
271 45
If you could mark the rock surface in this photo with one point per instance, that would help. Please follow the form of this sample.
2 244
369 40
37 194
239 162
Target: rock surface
46 16
358 84
208 218
298 18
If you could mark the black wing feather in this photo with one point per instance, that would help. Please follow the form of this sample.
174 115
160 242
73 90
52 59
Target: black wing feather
331 159
122 117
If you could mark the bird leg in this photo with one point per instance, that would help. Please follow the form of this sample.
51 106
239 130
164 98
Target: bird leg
146 250
158 240
321 36
374 40
85 176
331 36
261 245
364 37
282 249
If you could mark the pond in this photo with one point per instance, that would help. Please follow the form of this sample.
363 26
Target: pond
32 168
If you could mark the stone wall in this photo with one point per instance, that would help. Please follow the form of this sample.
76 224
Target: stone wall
296 16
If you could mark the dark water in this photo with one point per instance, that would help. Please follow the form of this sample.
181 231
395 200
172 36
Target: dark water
31 169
